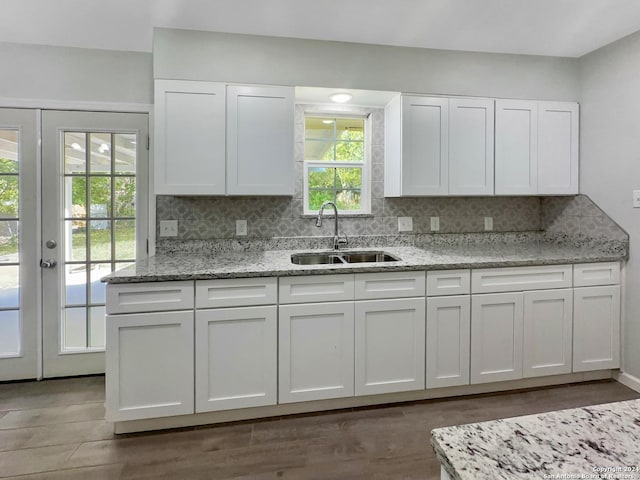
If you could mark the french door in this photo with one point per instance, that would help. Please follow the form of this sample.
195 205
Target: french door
94 221
19 229
71 211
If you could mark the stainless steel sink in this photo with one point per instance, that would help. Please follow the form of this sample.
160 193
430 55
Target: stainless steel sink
315 258
341 258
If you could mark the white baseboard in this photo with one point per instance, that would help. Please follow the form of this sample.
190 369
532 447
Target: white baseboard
628 380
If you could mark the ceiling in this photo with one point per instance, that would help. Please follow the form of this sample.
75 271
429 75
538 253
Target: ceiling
568 28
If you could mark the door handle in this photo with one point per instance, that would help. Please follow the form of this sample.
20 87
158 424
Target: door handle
51 263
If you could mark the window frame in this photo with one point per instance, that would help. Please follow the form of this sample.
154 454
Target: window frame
365 165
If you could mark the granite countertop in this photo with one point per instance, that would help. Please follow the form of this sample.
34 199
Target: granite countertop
601 441
236 264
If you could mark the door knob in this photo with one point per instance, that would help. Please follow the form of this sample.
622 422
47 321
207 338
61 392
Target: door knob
51 263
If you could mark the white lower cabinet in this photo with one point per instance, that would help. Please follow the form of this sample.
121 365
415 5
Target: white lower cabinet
547 336
315 351
448 337
596 328
236 358
149 365
389 345
496 337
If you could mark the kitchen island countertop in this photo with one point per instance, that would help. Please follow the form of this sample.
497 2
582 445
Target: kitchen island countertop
601 441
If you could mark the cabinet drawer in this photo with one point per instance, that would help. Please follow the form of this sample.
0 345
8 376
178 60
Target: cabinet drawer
448 282
236 292
389 285
149 297
593 274
316 288
513 279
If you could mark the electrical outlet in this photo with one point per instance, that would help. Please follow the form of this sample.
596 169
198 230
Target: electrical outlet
488 224
636 199
405 224
435 224
168 228
241 228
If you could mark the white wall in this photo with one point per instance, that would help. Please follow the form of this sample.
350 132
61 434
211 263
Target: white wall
194 55
610 159
37 72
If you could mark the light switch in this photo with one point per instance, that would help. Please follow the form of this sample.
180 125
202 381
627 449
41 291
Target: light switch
488 224
435 224
405 224
168 228
636 199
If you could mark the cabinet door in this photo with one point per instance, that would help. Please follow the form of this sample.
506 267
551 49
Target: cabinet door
496 337
471 146
448 336
149 365
389 345
425 156
557 148
315 351
260 121
516 141
189 148
236 358
547 338
596 328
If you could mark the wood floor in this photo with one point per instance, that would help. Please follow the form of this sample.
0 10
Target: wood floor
55 430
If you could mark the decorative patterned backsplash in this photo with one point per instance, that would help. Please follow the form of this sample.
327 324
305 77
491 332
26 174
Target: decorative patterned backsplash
208 218
578 216
215 217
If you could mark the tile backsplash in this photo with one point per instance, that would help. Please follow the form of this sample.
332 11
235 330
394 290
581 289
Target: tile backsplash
207 218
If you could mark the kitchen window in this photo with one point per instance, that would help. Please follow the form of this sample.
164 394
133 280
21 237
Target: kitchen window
336 160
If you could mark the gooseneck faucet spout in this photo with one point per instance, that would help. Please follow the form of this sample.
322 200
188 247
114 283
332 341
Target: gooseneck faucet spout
337 241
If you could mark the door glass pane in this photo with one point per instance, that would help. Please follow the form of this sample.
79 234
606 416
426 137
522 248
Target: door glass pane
75 155
75 234
75 328
100 197
125 197
98 270
125 239
10 322
8 195
9 286
100 239
9 333
76 284
100 229
97 327
100 159
125 153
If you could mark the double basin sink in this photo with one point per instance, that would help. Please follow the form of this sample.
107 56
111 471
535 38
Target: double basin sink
339 258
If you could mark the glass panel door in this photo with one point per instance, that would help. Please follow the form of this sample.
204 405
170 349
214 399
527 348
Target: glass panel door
95 221
18 245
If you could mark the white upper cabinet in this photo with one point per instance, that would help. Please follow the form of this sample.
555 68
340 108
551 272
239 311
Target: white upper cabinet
516 147
416 146
471 146
536 148
557 148
214 139
438 146
189 138
260 122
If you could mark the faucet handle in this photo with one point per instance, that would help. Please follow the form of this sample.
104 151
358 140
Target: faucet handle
343 240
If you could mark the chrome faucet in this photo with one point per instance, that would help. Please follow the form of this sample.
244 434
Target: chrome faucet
337 241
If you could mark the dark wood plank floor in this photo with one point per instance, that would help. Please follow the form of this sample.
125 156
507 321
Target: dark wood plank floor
55 430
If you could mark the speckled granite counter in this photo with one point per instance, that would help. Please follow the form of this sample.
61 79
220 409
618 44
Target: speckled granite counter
601 441
189 265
